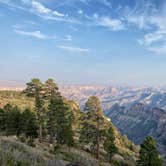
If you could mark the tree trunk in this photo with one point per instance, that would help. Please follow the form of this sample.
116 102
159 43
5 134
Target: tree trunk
51 138
98 148
40 133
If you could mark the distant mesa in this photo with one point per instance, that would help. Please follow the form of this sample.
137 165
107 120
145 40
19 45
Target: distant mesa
11 85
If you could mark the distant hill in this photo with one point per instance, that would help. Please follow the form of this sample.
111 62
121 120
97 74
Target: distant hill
135 111
11 85
139 120
109 95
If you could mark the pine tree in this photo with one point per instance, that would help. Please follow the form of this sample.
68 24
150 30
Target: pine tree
52 123
68 135
50 94
2 120
16 120
59 121
91 132
35 89
29 125
149 155
50 89
109 144
12 120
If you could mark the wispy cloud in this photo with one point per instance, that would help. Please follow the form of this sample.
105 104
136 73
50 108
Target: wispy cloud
68 38
106 3
73 28
147 17
30 22
35 34
155 41
12 5
153 37
19 29
80 11
44 12
113 24
139 14
40 8
160 49
18 26
74 49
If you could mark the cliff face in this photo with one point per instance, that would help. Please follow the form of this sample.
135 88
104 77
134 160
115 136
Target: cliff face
139 120
109 95
136 112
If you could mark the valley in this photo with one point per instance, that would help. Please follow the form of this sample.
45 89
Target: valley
136 112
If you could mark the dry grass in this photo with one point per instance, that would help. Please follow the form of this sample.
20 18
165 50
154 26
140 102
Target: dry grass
14 153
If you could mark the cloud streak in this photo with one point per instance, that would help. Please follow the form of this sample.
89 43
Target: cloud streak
68 38
39 8
34 34
113 24
73 49
42 11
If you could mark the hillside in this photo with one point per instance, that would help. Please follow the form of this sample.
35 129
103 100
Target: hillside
16 149
135 120
139 120
138 112
15 98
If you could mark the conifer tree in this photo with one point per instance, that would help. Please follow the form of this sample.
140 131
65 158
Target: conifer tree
35 89
51 93
149 155
2 120
68 135
91 132
12 120
59 121
50 89
16 120
29 125
109 144
52 123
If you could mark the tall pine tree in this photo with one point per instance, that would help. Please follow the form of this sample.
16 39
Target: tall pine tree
2 120
29 125
109 144
12 120
149 155
60 120
91 122
35 89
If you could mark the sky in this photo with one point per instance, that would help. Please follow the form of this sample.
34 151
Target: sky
84 41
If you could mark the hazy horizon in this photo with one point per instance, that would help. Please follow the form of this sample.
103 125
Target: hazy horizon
91 42
13 84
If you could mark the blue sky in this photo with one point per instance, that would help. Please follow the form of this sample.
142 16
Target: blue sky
84 41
